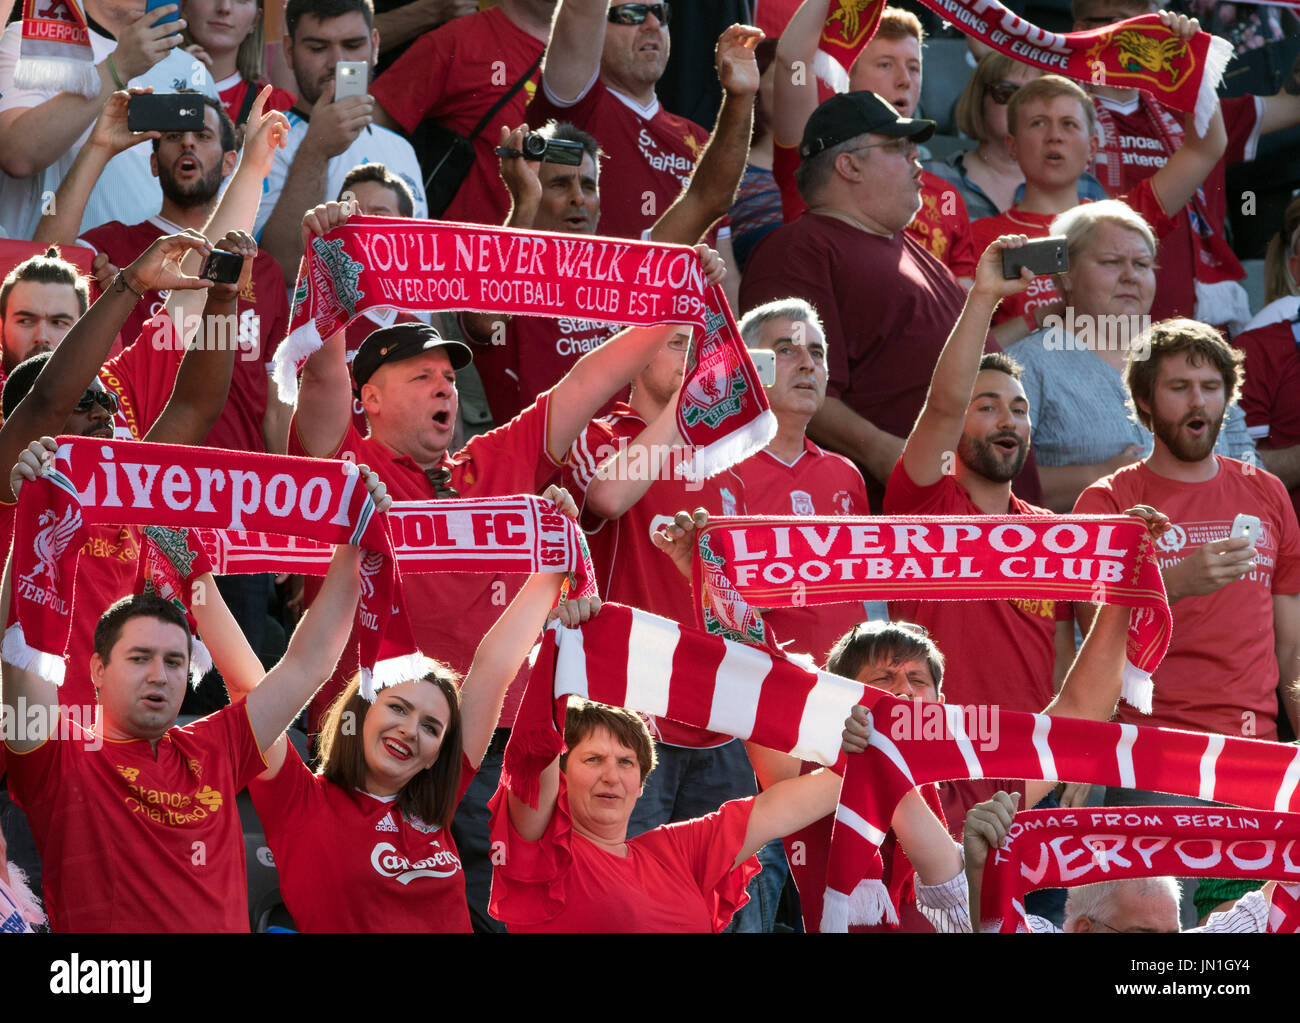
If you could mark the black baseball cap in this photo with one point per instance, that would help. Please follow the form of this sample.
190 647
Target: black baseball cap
402 341
850 114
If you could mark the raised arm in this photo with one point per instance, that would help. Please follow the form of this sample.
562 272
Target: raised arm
712 190
604 371
503 649
317 641
939 427
573 56
203 378
110 136
986 828
615 487
409 21
788 806
77 359
794 89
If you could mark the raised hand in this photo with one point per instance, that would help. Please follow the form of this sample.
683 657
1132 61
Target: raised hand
32 462
110 132
321 220
265 132
159 266
734 58
335 126
988 272
146 41
378 491
677 539
715 268
242 243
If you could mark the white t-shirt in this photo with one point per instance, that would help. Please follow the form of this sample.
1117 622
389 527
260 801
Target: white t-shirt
127 190
373 145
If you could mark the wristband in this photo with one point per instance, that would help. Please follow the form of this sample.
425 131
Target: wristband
122 284
112 70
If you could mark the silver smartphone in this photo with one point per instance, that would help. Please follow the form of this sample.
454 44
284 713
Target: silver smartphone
351 78
765 363
1247 526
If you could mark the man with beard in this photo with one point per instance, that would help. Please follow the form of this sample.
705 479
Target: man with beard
1237 632
190 167
40 299
1012 653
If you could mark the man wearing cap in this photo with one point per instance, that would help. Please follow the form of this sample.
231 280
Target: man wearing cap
406 380
887 305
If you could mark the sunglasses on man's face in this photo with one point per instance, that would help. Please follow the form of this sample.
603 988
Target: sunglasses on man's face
636 14
1001 92
106 400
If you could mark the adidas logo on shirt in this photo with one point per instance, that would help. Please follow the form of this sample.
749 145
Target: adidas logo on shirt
387 824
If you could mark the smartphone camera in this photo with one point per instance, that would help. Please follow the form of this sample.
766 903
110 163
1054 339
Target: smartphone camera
223 267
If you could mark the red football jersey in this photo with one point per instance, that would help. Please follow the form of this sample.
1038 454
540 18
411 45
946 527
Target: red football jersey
350 861
233 91
651 153
133 841
818 483
1220 673
630 568
455 74
1271 395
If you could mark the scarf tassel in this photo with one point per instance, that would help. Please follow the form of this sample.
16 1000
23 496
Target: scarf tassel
1216 62
735 447
58 74
868 905
1136 687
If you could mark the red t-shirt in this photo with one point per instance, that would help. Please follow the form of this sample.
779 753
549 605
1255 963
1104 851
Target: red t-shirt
882 342
455 74
232 96
535 355
677 878
1037 225
1271 395
449 612
143 379
817 483
1220 674
1133 147
630 568
651 151
942 225
130 841
353 862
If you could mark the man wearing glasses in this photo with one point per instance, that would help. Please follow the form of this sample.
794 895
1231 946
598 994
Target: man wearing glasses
600 73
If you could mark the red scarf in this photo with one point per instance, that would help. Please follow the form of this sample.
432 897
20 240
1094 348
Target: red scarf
633 659
169 564
429 266
1066 848
55 54
134 483
1139 53
743 562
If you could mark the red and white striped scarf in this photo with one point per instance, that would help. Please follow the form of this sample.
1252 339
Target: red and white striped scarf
633 659
1067 848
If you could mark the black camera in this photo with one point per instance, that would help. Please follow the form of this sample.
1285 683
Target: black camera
538 147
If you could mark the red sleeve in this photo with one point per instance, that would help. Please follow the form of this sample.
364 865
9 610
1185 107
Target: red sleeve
34 774
285 803
142 375
902 496
234 738
1240 118
410 90
1143 200
512 459
785 160
595 444
1259 392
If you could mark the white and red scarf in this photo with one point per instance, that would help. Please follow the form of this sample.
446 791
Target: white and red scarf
430 266
169 565
55 54
1066 848
747 562
633 659
1139 53
134 483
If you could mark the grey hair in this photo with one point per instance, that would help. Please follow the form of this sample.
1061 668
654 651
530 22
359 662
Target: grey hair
1095 901
1080 223
781 309
814 172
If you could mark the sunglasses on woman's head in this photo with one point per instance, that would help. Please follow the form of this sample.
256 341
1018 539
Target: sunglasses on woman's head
106 400
1001 92
636 14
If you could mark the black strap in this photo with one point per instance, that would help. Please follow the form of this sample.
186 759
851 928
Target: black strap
250 94
505 98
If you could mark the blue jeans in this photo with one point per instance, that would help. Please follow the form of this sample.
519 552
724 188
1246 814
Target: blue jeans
471 827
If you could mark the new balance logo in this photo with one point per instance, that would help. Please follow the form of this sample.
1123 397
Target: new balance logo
387 824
